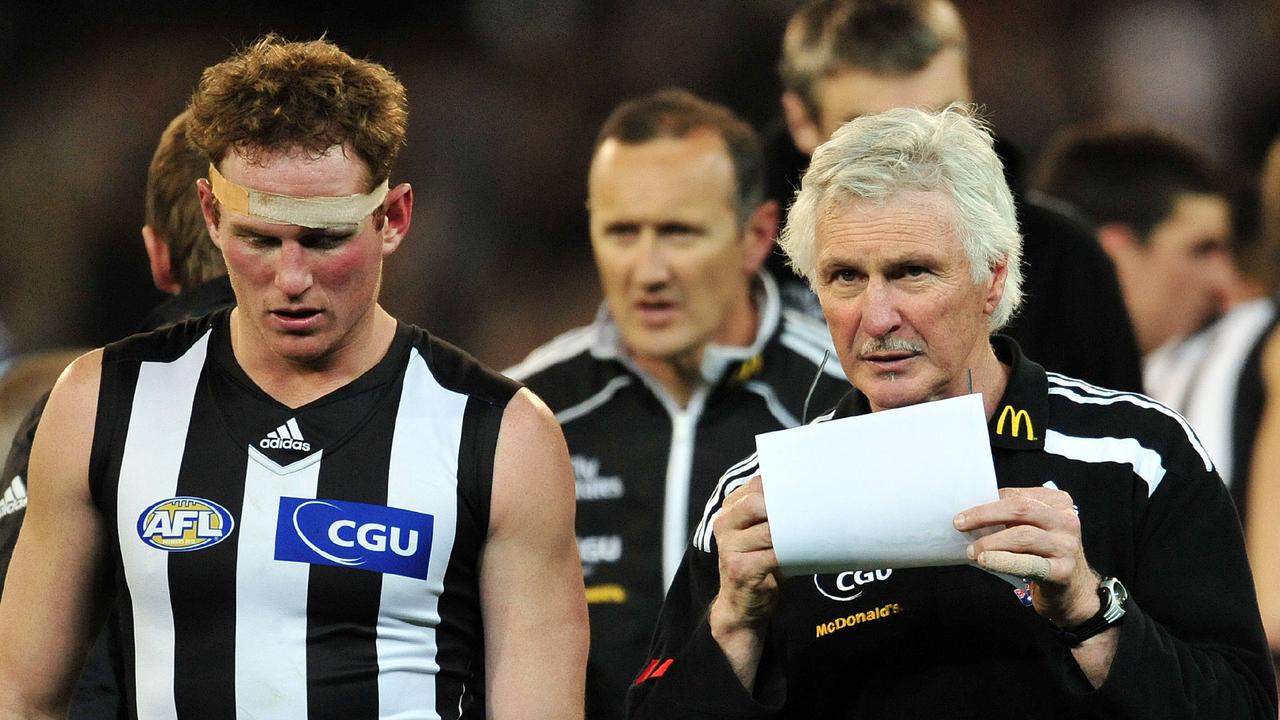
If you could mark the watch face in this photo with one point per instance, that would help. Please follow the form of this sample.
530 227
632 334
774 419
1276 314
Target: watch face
1116 590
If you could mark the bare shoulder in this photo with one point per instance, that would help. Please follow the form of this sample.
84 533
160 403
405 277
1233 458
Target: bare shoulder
75 394
65 434
527 418
531 466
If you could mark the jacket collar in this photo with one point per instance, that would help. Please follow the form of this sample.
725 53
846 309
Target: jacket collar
1022 414
717 360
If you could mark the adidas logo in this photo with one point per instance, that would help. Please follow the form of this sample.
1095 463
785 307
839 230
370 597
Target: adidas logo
15 497
286 437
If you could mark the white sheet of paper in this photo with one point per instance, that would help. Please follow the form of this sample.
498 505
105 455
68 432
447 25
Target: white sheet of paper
878 490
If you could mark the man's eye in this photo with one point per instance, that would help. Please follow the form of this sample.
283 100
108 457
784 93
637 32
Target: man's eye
678 230
845 275
915 271
324 242
621 233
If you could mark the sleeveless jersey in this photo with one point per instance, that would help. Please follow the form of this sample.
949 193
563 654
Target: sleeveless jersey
314 562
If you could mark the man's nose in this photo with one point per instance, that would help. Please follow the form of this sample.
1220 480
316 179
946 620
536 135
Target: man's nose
293 272
652 266
880 315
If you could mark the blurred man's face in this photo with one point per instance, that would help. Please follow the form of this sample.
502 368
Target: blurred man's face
675 263
1179 280
850 94
904 312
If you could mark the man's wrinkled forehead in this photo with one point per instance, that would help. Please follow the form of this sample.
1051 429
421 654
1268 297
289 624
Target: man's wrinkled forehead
312 212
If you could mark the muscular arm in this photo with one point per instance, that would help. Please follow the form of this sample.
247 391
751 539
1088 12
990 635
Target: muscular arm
56 588
535 613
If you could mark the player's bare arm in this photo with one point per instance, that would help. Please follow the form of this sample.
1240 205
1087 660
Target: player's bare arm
55 595
531 591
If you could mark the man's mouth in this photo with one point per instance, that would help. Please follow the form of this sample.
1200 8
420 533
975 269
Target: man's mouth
656 312
298 313
889 354
302 318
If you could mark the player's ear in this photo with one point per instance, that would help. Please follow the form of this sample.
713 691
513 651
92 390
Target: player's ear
209 208
759 233
397 212
161 262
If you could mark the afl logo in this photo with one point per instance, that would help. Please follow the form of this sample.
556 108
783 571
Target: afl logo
183 524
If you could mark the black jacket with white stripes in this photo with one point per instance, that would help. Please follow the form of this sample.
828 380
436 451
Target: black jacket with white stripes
645 465
956 642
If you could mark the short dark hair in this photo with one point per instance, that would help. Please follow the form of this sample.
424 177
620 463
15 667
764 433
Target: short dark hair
277 95
173 207
889 37
1124 174
674 113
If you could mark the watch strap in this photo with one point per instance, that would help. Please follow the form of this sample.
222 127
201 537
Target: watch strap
1112 597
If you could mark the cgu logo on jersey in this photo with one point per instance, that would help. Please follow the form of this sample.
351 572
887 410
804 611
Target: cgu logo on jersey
183 524
846 586
356 535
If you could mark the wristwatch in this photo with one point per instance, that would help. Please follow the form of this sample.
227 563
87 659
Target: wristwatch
1112 596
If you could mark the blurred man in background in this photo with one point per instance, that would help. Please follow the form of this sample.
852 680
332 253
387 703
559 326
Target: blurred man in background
1161 215
691 354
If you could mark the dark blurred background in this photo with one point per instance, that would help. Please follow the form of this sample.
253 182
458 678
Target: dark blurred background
505 98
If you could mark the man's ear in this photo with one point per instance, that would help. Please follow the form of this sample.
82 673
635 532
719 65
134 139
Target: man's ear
161 262
805 132
759 233
999 274
1118 240
397 214
209 208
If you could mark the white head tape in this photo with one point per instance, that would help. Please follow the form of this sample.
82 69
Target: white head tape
312 212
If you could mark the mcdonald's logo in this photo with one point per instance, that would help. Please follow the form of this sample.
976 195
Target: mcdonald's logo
1015 425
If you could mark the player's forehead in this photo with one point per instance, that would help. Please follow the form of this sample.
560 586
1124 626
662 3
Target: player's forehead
338 171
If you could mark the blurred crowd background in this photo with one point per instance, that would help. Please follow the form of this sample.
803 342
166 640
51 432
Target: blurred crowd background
506 97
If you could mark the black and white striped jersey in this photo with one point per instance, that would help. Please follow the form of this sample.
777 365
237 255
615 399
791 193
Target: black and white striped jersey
297 563
958 642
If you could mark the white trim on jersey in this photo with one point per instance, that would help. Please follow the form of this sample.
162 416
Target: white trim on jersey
733 478
1085 394
675 504
157 437
560 348
271 647
779 412
798 335
1146 463
409 613
601 397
